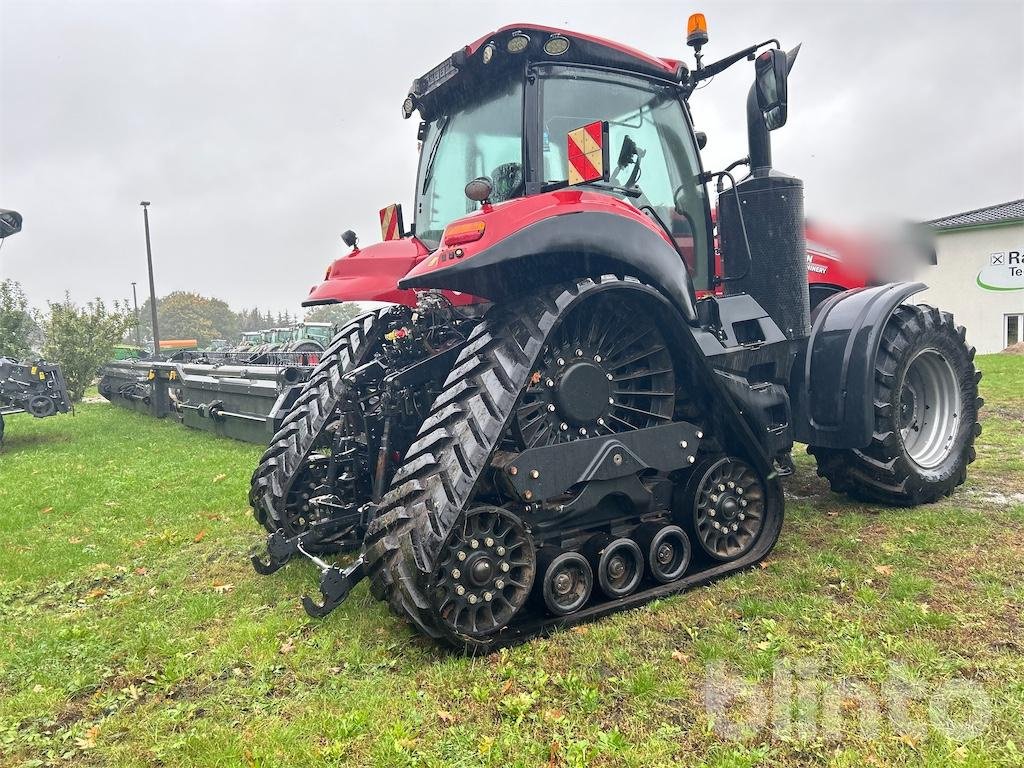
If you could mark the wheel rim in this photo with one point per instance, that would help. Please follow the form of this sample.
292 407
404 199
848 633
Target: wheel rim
620 568
486 573
929 408
606 369
568 582
296 517
728 509
41 407
669 554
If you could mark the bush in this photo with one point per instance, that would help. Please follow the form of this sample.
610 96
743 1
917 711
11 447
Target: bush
81 339
16 324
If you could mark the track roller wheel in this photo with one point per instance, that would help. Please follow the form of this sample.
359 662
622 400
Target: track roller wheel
618 563
667 549
566 580
725 508
486 573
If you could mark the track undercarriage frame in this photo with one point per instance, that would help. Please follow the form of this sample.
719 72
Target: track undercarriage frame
573 494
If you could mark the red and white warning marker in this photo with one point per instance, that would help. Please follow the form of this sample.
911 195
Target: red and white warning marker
588 153
391 227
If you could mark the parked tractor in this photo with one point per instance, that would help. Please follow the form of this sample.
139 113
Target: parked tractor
547 424
309 337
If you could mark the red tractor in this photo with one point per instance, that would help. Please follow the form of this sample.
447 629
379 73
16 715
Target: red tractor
567 410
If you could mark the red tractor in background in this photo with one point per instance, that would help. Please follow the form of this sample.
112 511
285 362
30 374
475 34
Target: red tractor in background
575 402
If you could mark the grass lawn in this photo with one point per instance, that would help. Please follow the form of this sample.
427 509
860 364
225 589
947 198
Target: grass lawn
134 632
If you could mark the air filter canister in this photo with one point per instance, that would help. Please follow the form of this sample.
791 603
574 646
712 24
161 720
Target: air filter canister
776 273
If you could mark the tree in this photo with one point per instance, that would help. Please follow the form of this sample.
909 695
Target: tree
339 314
16 324
186 315
81 338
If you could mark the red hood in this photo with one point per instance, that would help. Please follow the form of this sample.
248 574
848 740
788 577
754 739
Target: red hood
370 274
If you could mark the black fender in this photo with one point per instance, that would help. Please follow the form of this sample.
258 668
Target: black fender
833 376
567 247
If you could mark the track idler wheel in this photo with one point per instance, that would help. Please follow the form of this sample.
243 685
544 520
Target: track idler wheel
726 502
566 580
667 549
486 573
618 563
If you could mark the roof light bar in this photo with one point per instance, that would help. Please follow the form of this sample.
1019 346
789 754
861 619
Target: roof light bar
518 42
556 45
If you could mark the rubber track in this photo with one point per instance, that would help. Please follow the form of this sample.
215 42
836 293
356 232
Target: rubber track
880 473
455 443
307 419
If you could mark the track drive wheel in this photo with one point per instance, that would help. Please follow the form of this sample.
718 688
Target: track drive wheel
926 415
294 464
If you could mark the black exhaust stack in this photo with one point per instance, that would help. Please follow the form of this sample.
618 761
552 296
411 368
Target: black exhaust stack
770 207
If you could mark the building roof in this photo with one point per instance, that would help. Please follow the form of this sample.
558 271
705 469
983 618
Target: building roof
1000 213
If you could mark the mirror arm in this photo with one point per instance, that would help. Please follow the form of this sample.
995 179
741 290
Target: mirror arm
758 140
723 64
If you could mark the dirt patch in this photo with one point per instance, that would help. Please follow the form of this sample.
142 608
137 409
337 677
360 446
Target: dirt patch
1014 349
997 498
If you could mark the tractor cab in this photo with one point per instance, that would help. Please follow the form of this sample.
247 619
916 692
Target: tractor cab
502 110
251 338
321 332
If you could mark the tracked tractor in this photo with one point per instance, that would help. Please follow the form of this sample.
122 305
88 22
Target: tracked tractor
547 424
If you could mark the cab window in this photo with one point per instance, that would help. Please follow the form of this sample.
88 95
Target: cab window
640 113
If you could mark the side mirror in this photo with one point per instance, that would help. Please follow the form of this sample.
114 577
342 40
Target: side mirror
771 71
679 199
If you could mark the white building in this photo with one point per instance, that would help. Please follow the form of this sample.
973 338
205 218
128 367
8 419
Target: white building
980 273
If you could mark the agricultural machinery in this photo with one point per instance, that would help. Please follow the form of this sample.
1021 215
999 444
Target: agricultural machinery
240 392
36 388
570 406
25 387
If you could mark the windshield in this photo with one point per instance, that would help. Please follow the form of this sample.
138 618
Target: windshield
470 139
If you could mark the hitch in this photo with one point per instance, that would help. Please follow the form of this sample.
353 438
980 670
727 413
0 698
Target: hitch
280 549
335 584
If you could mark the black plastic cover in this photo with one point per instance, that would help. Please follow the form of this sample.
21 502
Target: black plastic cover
775 273
833 375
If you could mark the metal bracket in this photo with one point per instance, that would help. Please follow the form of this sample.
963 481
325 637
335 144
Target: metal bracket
664 448
335 584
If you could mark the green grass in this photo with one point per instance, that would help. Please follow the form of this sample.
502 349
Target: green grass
134 632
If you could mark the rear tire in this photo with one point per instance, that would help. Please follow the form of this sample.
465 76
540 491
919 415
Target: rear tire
926 415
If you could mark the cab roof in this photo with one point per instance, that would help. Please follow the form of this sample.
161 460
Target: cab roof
503 53
611 49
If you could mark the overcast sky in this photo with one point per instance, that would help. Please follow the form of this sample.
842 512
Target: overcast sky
260 131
